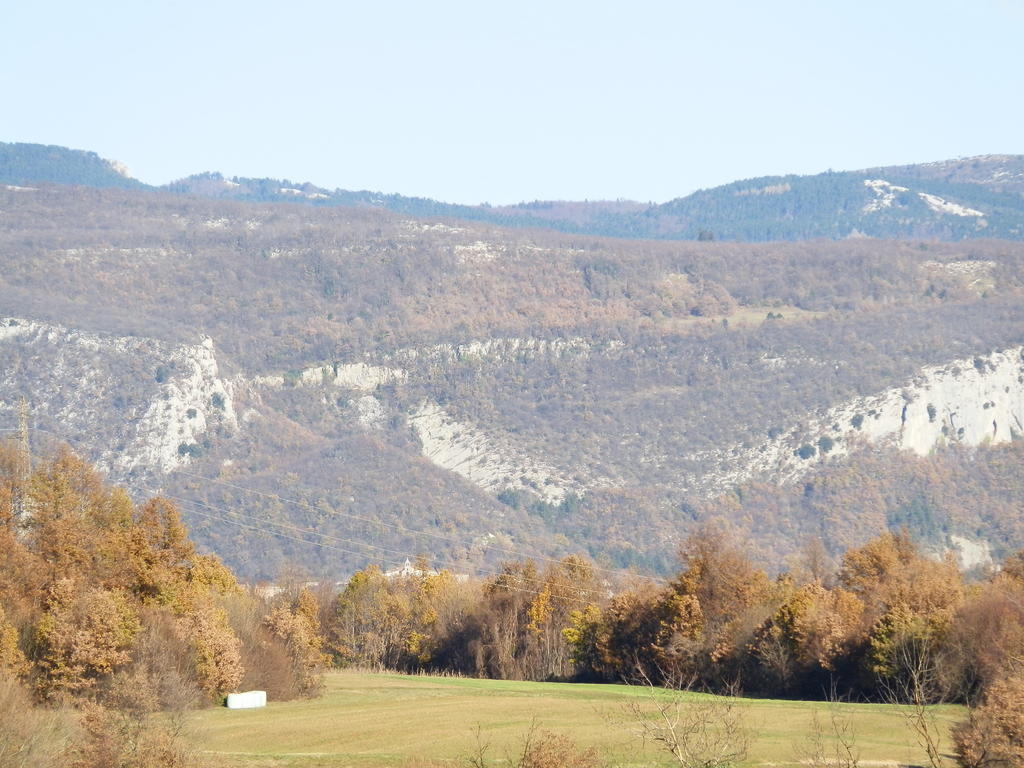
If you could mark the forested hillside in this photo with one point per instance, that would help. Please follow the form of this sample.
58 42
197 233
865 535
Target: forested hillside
335 386
969 198
25 164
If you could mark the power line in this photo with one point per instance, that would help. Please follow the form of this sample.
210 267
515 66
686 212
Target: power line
401 553
399 527
394 526
259 525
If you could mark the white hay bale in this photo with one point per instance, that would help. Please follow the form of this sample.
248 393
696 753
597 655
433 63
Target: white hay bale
247 700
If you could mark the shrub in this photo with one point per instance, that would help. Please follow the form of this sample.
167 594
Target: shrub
117 739
993 735
29 737
805 451
555 750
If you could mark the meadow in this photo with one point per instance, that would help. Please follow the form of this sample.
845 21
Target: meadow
374 719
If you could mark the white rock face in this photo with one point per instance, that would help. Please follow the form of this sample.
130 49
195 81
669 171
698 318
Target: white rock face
939 205
479 252
967 401
292 192
272 381
135 258
11 327
971 554
366 377
181 414
506 350
362 377
420 226
471 453
370 412
970 269
770 189
974 275
885 194
119 168
79 377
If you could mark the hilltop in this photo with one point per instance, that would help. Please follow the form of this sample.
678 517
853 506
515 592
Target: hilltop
966 198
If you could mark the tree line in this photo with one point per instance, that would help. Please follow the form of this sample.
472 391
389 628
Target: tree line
890 624
107 609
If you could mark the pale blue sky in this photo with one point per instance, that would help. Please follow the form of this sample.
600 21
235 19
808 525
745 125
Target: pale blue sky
501 102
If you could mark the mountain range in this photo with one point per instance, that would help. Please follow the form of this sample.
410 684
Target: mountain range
949 200
329 384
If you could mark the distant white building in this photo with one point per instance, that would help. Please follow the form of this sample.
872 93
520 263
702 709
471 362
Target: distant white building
407 571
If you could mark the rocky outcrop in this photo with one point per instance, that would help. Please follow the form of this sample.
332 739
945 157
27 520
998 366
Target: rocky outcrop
483 459
970 402
193 397
362 377
151 402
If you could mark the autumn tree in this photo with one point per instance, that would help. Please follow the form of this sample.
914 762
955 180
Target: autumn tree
371 621
298 625
720 585
12 659
910 601
809 637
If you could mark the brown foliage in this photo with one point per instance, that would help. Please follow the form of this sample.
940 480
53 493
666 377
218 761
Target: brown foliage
890 573
732 595
540 749
546 749
993 735
82 637
116 606
12 660
268 664
217 651
298 626
985 638
814 630
123 739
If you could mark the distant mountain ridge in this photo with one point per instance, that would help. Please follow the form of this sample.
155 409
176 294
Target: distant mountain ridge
26 164
949 200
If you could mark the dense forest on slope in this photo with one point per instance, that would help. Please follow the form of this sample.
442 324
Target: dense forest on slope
418 386
26 164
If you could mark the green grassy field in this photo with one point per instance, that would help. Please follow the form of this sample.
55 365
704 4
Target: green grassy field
378 720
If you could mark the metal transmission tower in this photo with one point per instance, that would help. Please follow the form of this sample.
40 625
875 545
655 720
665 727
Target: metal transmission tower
24 469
